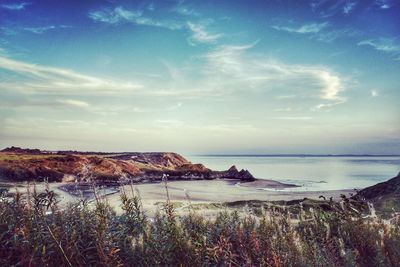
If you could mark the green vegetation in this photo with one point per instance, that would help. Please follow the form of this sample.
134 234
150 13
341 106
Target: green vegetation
11 157
35 232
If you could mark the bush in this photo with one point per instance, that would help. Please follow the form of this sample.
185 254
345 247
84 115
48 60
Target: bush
35 232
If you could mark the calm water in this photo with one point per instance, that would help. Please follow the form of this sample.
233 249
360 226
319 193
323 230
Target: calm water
313 173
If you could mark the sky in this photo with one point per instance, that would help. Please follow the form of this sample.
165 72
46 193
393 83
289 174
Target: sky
199 77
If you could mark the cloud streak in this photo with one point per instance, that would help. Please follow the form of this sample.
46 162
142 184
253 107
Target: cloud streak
329 8
323 32
186 11
15 6
74 103
234 67
122 15
302 29
385 45
50 79
200 34
44 29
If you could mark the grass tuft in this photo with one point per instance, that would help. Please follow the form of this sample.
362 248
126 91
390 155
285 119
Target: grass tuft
34 231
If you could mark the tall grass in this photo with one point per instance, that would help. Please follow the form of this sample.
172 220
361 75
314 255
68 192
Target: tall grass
34 231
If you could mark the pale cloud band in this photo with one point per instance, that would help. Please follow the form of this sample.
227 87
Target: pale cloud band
57 80
302 29
255 72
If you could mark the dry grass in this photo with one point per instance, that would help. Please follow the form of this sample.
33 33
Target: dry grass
14 156
35 232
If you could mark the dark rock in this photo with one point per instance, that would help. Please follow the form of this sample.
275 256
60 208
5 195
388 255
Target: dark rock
245 175
233 169
233 173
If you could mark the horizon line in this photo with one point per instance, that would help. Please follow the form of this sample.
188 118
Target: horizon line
296 155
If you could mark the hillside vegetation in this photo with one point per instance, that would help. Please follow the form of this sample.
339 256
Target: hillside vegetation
17 164
384 196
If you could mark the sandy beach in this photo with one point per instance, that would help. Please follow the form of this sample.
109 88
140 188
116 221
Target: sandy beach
198 193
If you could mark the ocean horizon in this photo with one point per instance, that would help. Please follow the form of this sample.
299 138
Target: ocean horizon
310 172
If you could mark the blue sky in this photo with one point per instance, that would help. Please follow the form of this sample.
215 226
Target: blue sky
201 76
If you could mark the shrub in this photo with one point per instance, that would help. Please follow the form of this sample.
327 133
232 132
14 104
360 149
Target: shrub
34 231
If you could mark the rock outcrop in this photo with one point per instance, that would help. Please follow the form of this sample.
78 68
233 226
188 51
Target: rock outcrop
232 172
19 164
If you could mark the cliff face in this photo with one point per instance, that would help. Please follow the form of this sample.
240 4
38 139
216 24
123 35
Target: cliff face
18 164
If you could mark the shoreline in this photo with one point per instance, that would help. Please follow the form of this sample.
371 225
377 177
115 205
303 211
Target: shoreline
208 195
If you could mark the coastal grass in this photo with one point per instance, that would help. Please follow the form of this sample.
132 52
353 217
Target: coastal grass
16 156
34 231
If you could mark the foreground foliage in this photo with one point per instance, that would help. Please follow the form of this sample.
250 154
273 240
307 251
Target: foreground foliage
35 232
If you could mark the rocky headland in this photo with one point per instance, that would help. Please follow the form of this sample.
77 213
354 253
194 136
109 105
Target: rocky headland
18 165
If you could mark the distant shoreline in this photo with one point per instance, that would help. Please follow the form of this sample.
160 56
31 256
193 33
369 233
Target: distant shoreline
293 155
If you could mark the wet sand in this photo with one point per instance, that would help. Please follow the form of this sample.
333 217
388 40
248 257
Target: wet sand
195 192
215 191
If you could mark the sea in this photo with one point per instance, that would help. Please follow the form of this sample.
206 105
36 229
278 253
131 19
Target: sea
311 173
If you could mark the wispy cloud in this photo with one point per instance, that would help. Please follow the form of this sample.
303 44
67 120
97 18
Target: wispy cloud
186 11
113 16
302 29
201 35
225 70
329 8
40 30
323 106
349 6
385 45
323 32
198 30
384 4
331 35
44 29
122 15
74 103
44 102
15 6
51 79
233 67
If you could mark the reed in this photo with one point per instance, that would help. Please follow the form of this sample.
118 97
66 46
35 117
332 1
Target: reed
34 231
